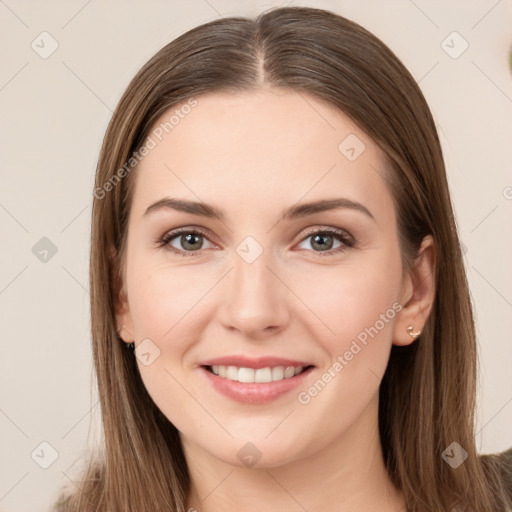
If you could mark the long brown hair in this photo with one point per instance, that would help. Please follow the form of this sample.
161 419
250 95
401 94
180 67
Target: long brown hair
427 396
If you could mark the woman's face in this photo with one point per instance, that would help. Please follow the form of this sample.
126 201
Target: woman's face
257 282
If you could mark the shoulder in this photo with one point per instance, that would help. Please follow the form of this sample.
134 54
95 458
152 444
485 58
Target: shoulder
506 467
500 464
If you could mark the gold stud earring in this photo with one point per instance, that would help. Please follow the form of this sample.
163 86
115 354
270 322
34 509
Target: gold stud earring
413 334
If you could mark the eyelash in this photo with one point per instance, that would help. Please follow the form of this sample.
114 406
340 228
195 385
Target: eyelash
343 237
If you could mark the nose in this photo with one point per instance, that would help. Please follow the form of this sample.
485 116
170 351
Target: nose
255 301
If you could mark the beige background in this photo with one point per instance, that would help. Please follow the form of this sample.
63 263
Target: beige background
54 112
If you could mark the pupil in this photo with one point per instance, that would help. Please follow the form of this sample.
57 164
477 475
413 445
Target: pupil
189 240
324 241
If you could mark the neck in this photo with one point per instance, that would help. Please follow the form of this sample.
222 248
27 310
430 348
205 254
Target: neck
346 475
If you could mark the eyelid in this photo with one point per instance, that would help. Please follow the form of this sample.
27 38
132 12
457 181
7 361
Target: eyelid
342 233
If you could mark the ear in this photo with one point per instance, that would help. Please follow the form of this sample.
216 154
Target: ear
418 294
124 324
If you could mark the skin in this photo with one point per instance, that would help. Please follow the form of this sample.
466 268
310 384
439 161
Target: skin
252 155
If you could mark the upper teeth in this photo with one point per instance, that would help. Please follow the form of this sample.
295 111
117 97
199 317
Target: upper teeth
260 375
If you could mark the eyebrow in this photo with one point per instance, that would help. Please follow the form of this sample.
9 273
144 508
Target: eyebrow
295 211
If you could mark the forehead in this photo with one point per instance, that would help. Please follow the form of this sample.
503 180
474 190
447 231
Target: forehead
280 145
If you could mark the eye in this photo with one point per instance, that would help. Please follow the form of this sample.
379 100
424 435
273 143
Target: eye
185 241
327 241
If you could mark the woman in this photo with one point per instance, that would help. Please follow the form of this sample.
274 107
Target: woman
280 312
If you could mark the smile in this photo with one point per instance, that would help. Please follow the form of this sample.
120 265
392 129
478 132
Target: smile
255 386
268 374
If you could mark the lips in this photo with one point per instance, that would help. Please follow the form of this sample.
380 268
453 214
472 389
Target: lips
224 373
255 363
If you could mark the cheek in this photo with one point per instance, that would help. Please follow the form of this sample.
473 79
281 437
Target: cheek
357 308
168 305
166 308
351 309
